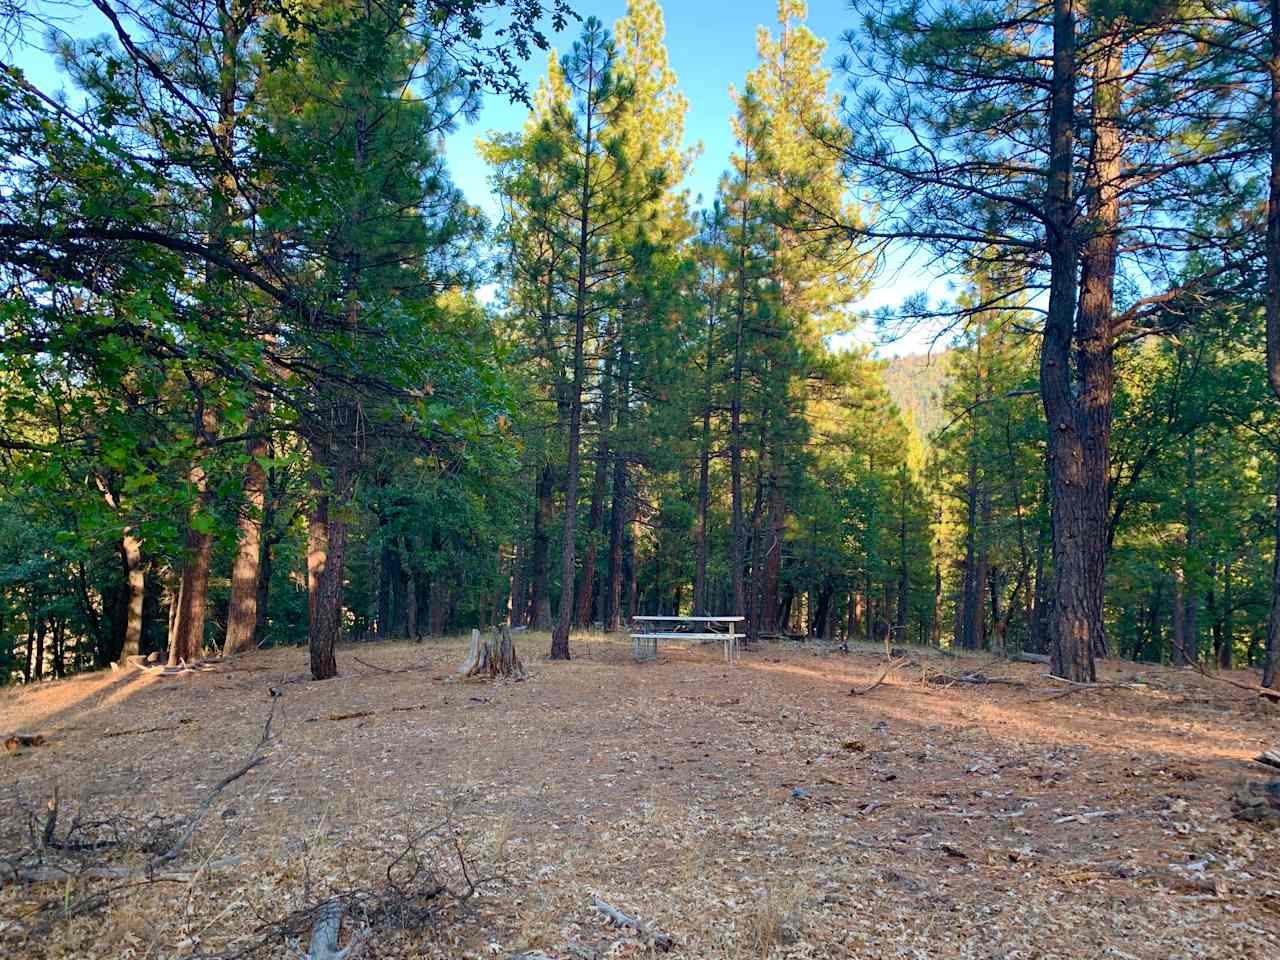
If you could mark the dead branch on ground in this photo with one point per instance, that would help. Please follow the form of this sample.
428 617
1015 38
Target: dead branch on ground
1272 695
615 917
78 853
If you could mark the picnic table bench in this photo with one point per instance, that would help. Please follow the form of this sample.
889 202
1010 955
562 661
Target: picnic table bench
649 630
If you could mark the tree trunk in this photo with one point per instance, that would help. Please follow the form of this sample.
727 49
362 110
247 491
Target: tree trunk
1271 660
1037 627
410 591
41 629
388 573
517 598
264 571
772 560
1226 648
564 618
1077 448
935 626
187 639
900 619
1191 598
1180 648
1271 657
438 610
586 576
619 509
326 543
540 602
136 581
738 533
243 611
704 493
971 589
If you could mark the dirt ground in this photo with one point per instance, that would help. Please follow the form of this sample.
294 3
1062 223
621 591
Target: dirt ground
751 811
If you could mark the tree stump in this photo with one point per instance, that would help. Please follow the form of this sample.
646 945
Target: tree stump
493 658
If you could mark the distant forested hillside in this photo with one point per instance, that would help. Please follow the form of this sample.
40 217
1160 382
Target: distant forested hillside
916 383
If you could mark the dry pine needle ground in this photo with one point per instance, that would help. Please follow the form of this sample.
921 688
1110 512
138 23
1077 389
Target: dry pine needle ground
753 811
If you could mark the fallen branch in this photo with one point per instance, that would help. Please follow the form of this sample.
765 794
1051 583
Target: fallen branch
34 868
661 941
1273 695
325 932
855 692
374 666
255 758
973 678
164 670
356 715
1076 686
129 733
1030 657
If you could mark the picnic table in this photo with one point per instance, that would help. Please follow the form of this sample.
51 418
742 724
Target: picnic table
649 630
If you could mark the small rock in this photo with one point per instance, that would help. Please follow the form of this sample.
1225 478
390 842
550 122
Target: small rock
1255 802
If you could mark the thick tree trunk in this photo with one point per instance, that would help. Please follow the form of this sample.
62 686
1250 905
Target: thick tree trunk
264 573
136 584
821 613
326 556
1271 661
242 617
187 640
1078 414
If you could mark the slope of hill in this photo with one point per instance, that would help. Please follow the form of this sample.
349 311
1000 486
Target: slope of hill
916 383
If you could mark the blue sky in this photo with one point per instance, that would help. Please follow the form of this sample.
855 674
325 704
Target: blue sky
711 45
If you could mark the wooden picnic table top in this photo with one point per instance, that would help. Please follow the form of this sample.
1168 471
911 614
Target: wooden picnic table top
690 619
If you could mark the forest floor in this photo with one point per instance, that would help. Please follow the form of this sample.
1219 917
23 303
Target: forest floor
752 811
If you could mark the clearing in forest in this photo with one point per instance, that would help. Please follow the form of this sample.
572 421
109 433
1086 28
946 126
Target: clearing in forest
751 811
